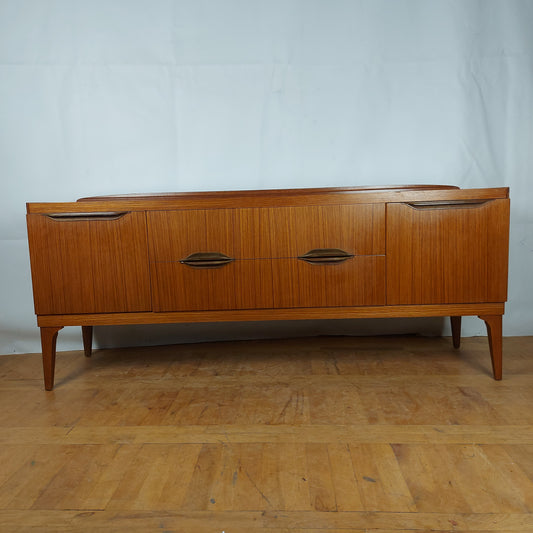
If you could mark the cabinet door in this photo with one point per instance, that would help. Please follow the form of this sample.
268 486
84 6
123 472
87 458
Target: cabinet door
92 263
447 253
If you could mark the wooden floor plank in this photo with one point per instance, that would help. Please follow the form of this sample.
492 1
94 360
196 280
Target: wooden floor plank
319 477
429 477
384 433
27 484
206 471
308 521
294 476
181 462
247 479
347 490
381 483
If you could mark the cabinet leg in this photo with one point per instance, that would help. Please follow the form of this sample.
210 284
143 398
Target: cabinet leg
494 333
48 347
456 330
87 335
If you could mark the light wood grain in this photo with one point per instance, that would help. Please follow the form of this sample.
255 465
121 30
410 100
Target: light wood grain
301 197
357 229
173 235
452 254
377 311
390 252
89 266
357 281
314 435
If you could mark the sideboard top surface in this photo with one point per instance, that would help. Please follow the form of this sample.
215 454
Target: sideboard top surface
267 198
267 192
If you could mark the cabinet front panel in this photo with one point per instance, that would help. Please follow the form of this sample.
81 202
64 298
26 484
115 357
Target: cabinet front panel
89 265
174 235
245 284
356 282
439 254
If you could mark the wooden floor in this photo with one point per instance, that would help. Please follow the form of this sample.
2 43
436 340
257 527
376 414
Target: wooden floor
328 434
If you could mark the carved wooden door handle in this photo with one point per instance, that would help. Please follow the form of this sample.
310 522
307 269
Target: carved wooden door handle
325 256
76 217
207 260
447 204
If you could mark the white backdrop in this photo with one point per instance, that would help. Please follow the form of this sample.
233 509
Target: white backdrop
116 96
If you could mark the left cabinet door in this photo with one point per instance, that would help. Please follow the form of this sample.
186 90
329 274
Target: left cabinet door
89 263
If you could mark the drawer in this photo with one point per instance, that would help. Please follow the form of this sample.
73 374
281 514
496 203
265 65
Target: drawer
359 281
260 233
174 235
267 284
242 284
262 247
357 229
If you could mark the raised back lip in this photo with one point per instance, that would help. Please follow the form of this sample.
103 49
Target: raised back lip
266 192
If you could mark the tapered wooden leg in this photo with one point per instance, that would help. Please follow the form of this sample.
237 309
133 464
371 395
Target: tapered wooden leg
87 335
456 330
48 347
494 333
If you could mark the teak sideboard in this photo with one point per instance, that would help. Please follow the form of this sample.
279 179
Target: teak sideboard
361 252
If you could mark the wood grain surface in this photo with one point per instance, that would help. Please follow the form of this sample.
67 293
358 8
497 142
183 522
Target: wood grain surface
301 197
89 266
265 243
324 434
324 253
447 254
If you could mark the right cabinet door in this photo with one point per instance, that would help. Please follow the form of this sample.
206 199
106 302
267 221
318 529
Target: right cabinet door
441 253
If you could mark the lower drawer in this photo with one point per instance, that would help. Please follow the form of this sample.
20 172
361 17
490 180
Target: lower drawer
359 281
243 284
267 284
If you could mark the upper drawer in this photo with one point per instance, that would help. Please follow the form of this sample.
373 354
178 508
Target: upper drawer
173 235
356 229
250 233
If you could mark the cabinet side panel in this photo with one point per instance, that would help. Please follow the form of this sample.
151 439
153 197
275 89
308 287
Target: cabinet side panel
498 262
89 266
447 254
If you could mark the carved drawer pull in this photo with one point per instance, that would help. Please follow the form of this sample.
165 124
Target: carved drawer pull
207 260
87 216
447 204
325 256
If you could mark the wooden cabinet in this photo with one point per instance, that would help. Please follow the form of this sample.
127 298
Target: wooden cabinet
270 255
